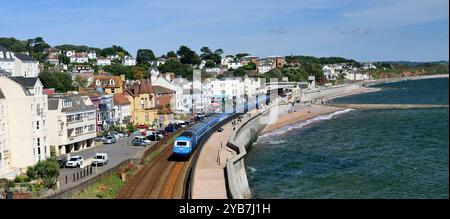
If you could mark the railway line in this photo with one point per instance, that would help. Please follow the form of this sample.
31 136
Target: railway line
163 178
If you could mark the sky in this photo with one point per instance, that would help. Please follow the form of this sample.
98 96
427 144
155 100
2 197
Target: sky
364 30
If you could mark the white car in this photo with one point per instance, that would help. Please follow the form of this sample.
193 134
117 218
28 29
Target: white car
75 161
143 138
99 159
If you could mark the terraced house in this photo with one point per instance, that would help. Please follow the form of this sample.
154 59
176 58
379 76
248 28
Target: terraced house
72 119
108 84
143 103
23 124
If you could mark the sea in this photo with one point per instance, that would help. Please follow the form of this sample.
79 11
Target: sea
360 154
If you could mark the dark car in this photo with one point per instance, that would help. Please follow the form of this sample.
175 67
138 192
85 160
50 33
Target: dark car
153 138
169 129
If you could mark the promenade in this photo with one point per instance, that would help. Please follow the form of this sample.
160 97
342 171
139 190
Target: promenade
209 176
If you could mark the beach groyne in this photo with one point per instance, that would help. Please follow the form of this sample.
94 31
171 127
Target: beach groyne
389 106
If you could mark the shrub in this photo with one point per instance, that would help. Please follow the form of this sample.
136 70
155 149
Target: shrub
6 183
47 171
21 179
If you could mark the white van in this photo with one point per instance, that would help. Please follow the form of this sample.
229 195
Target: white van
100 159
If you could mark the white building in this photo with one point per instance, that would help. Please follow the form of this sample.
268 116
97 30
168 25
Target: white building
183 96
225 60
264 68
158 62
353 76
129 61
79 57
6 60
226 88
122 110
329 72
92 54
71 119
23 127
102 61
234 64
26 66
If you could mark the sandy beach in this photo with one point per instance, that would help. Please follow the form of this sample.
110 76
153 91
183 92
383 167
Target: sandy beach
301 113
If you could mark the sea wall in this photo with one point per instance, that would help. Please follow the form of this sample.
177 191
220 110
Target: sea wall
236 176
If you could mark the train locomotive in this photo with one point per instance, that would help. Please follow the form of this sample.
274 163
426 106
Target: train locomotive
188 141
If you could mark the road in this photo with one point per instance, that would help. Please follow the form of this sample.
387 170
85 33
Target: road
117 153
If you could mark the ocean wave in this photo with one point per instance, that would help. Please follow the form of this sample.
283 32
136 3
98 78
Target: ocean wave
303 124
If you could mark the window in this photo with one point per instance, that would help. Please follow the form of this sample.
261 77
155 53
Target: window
37 125
38 142
111 82
79 131
112 90
67 103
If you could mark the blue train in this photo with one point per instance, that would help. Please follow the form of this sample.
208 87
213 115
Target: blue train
188 141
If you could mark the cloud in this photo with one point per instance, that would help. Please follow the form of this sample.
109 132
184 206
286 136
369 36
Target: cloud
279 30
355 31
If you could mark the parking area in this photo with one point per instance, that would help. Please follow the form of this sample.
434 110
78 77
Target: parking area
117 153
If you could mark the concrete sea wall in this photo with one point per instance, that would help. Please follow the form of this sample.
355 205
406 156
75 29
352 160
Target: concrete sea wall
240 141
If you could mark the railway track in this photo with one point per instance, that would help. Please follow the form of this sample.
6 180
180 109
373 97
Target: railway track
163 178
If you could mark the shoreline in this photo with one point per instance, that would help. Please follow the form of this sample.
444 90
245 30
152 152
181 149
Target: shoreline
301 111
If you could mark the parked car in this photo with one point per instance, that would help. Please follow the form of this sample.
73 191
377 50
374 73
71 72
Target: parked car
153 137
169 129
138 142
98 139
159 136
99 159
115 135
109 140
75 161
143 138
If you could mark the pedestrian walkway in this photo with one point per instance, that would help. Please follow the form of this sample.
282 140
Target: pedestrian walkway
209 176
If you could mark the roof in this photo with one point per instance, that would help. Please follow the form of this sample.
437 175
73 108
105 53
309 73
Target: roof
78 104
161 90
104 81
145 87
25 57
5 50
27 82
121 99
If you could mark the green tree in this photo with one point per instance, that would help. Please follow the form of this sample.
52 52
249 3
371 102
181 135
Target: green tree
210 64
118 69
131 128
138 72
114 50
250 66
187 56
176 67
144 56
171 54
81 82
62 82
239 72
240 55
